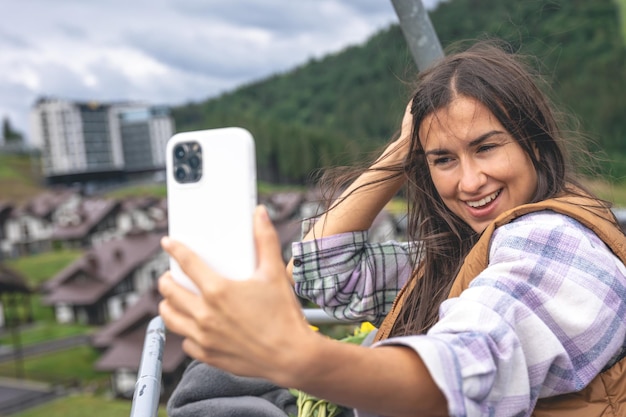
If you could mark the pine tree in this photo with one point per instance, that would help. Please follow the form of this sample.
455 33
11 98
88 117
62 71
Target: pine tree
8 133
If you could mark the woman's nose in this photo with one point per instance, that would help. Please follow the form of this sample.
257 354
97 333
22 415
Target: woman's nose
472 176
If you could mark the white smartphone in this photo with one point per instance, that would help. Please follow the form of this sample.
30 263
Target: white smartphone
211 197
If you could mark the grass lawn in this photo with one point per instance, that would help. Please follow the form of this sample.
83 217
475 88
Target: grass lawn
44 331
148 190
68 366
83 405
43 266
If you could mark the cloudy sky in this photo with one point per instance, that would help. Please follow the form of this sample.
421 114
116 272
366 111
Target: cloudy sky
166 51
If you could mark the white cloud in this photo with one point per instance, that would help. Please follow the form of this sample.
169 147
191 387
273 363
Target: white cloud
169 51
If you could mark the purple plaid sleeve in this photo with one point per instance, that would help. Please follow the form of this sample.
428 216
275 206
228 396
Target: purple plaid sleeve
350 278
545 317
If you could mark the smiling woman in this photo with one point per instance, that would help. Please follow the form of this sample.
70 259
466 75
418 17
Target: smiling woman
508 299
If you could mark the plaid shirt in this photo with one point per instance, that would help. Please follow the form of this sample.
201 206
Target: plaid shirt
544 318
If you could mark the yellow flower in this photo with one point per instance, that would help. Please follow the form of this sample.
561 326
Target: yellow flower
366 327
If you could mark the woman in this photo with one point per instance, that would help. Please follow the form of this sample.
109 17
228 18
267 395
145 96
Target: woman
511 296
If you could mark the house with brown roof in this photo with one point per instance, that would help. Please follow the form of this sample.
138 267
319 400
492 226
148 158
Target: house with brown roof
110 277
29 226
86 223
122 340
143 213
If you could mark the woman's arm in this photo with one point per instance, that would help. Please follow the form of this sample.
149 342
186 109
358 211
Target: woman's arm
255 328
350 278
357 207
389 380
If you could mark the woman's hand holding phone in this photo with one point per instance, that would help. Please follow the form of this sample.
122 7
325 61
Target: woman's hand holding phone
248 327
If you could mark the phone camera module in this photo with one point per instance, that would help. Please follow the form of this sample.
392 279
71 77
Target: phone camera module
187 162
181 173
194 162
180 152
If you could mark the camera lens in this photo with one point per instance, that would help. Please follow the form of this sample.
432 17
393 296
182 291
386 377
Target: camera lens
180 173
180 152
194 162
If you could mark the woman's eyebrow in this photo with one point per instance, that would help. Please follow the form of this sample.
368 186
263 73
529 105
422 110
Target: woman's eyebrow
484 137
475 142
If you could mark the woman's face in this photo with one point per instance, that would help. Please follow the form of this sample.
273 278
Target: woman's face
478 168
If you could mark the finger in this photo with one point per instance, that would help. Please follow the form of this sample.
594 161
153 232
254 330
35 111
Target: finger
194 350
267 244
199 327
174 320
178 296
191 264
407 120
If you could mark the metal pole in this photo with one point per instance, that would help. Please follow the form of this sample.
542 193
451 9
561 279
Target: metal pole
14 324
148 387
317 316
418 32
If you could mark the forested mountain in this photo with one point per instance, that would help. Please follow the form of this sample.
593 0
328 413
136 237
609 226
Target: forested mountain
335 109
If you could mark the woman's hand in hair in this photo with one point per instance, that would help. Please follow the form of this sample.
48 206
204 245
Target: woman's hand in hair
363 200
396 152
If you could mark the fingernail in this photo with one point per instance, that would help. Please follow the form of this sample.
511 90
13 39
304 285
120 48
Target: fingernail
165 242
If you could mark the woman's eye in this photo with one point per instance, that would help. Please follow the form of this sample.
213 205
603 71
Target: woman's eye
442 161
486 148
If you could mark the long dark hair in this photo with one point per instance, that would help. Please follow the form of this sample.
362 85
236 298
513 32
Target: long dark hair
502 82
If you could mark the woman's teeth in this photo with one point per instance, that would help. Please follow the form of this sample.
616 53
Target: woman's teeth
483 201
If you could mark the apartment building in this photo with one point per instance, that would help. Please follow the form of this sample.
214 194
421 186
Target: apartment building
89 140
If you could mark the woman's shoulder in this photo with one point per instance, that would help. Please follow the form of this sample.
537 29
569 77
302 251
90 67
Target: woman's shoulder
544 219
546 227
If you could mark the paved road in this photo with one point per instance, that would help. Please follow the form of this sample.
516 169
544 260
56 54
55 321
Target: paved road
17 395
7 354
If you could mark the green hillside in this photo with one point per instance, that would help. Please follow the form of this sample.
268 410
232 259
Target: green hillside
20 177
622 9
332 110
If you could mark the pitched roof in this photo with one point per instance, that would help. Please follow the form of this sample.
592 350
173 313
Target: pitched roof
12 281
89 278
155 208
139 202
125 337
142 311
126 352
43 204
88 214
